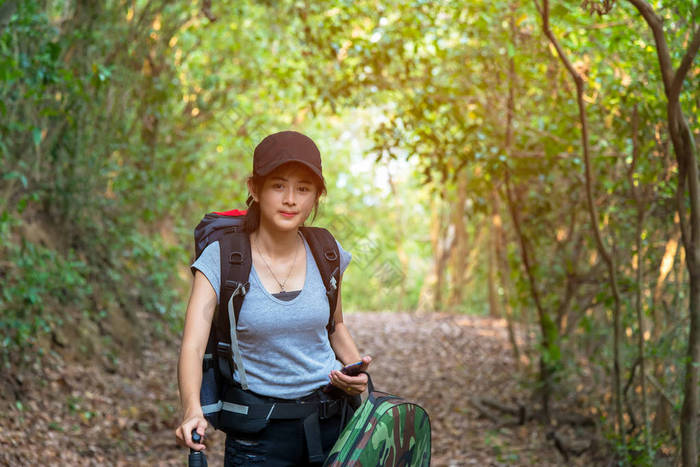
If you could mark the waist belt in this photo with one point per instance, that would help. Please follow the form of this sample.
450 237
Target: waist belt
276 410
253 414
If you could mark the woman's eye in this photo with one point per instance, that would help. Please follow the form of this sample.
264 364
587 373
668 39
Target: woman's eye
276 186
303 189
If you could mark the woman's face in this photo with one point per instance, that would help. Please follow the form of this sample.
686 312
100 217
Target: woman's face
287 197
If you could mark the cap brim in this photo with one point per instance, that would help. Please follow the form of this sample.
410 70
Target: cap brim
269 168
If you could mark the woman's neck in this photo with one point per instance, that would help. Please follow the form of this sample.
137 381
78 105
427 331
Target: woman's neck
275 243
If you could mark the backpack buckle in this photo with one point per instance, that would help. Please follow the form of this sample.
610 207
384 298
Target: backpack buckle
236 257
223 349
239 288
333 283
207 362
323 409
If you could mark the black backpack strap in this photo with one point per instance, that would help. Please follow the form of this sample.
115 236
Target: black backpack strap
325 251
236 262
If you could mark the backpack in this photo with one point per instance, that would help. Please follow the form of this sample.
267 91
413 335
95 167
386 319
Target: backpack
385 430
222 354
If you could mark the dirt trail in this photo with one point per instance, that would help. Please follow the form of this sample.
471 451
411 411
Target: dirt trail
71 414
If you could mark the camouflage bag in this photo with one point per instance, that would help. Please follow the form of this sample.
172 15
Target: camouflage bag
386 430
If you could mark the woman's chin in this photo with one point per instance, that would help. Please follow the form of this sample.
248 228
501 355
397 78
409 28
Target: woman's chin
284 225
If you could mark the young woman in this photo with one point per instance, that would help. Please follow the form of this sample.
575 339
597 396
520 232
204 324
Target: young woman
287 353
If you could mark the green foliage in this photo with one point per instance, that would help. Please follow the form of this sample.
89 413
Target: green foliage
150 265
40 279
64 171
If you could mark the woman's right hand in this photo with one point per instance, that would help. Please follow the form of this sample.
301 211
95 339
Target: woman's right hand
183 433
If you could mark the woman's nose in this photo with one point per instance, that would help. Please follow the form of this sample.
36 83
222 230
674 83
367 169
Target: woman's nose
289 197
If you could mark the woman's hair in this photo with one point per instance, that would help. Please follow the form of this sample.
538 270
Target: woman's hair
252 218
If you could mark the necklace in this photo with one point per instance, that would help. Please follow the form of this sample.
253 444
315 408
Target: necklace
281 284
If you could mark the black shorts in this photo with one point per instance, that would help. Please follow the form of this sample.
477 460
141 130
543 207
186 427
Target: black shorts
281 443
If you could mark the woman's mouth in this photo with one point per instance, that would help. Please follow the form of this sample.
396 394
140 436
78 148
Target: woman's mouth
288 214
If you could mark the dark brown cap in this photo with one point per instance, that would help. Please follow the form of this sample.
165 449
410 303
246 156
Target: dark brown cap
286 146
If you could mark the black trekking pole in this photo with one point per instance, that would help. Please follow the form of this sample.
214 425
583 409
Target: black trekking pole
197 458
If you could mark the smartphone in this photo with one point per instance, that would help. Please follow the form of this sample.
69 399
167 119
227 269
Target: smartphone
353 369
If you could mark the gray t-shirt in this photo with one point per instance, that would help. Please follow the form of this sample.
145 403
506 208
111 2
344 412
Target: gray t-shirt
284 343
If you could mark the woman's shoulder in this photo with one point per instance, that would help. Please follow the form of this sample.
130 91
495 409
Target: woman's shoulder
212 251
345 257
209 260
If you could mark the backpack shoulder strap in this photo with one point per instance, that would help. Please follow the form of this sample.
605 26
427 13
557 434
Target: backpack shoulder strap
236 262
327 256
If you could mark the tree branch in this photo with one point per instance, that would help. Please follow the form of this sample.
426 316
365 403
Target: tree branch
553 40
206 10
654 382
657 28
684 67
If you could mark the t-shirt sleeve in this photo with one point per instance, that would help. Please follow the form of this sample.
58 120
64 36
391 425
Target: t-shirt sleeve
209 264
345 257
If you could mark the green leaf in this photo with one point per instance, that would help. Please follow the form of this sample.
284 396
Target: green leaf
36 136
13 175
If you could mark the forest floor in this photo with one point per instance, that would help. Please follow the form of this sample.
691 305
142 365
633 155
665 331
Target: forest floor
78 414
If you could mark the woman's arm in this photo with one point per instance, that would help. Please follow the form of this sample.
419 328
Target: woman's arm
346 351
200 311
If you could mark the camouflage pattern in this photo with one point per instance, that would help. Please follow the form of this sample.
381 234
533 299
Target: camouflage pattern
386 430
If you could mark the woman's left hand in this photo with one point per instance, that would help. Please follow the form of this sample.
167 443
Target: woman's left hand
352 385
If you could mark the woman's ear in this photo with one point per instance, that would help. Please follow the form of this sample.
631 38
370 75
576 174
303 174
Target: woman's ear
251 189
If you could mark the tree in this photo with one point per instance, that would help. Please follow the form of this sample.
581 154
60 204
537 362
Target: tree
685 151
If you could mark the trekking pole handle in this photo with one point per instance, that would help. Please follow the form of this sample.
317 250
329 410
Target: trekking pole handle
197 458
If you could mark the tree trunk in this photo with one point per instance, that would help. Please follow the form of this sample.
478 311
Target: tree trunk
499 239
640 205
548 329
431 293
684 147
397 215
662 415
689 418
494 310
459 251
